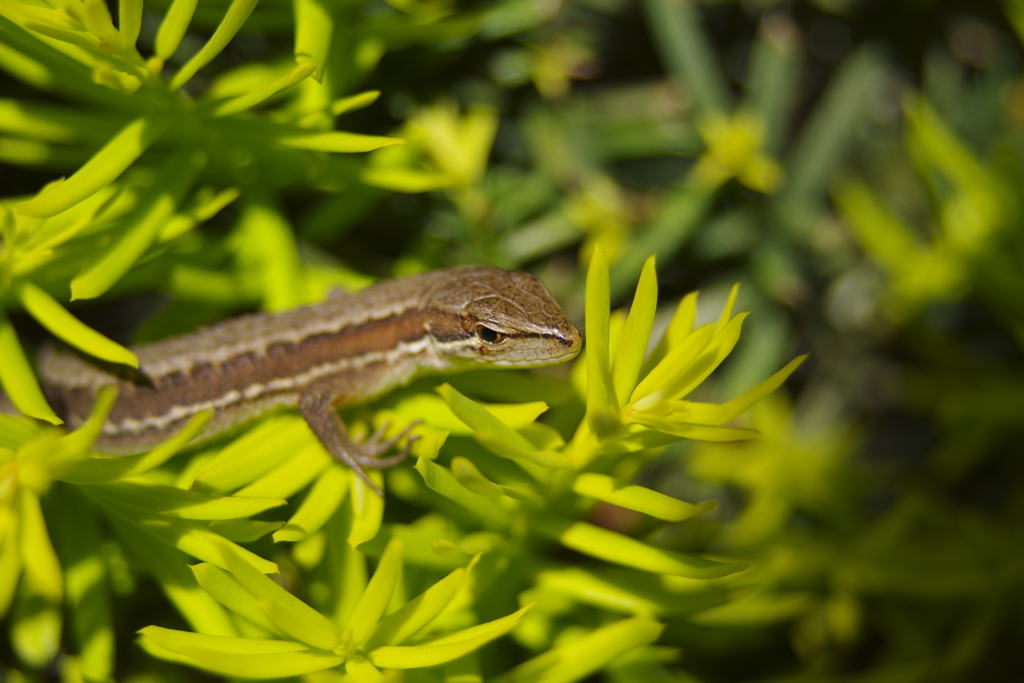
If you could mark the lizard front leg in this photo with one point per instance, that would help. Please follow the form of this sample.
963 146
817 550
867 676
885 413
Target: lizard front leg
316 406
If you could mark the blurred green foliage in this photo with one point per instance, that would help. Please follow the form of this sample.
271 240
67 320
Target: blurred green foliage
855 165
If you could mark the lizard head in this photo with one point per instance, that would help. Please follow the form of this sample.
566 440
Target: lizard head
494 317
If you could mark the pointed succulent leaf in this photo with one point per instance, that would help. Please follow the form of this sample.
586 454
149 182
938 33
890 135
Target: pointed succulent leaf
189 536
38 556
633 497
170 500
620 549
257 452
361 671
169 566
713 414
228 591
156 206
99 469
239 657
404 622
320 503
62 324
35 626
698 432
101 170
378 592
467 474
235 16
17 378
633 348
15 433
292 475
675 362
251 99
288 614
244 530
580 658
602 405
480 419
367 507
441 480
447 648
720 346
173 28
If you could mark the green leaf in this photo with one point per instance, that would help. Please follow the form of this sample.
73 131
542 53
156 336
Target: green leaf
239 657
10 563
170 500
169 566
467 474
336 141
355 102
249 100
17 378
378 592
632 497
235 16
496 434
582 657
712 414
675 362
244 530
367 507
406 180
173 28
758 608
101 170
40 561
602 405
447 648
129 20
100 469
323 499
284 610
80 540
62 324
698 432
687 52
626 591
269 245
314 27
441 480
620 549
414 615
439 413
15 433
636 334
194 538
291 476
361 671
720 346
206 207
499 446
228 591
156 207
726 315
98 20
35 627
264 447
74 445
830 130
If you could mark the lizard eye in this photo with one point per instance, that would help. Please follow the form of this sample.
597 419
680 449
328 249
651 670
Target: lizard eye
489 336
